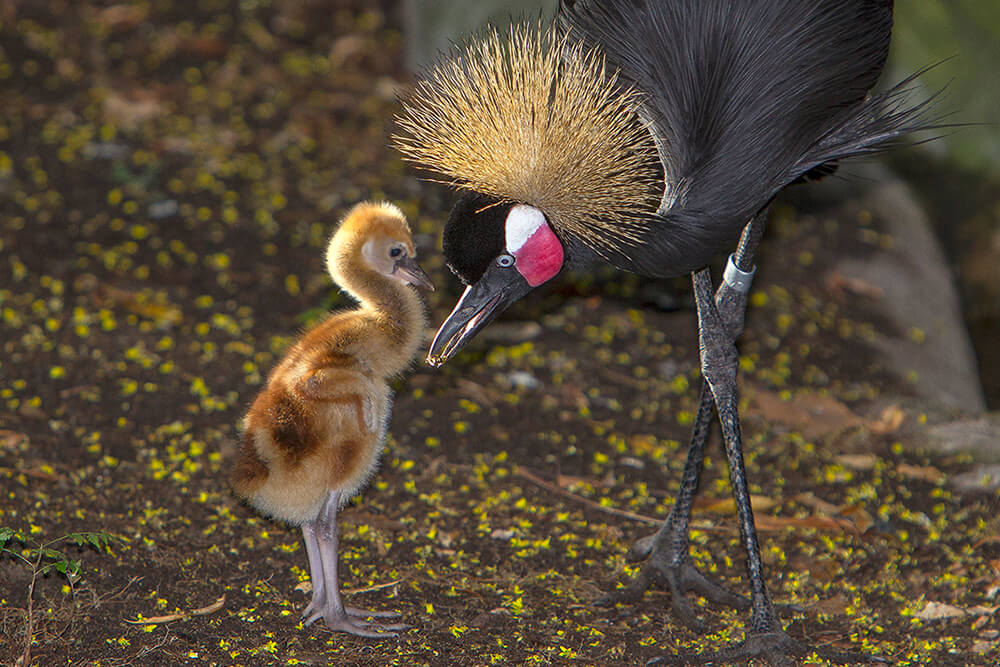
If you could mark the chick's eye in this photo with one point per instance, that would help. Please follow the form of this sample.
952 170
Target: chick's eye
395 252
505 260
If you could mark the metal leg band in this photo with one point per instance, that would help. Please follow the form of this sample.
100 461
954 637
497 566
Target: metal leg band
738 280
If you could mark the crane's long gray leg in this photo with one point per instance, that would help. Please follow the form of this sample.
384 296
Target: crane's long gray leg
668 562
667 559
322 538
765 636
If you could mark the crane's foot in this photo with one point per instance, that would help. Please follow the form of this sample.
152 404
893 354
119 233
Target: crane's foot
775 647
664 567
353 620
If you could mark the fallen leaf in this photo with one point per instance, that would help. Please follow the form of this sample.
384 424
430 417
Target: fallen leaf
131 109
814 414
728 505
36 473
768 522
857 461
201 611
838 284
935 611
989 539
837 605
984 647
569 481
214 607
157 309
980 622
925 473
982 610
156 620
122 17
858 516
12 439
368 589
818 504
206 47
888 421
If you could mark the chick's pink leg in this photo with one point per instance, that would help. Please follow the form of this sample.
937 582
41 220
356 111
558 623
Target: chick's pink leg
315 570
331 607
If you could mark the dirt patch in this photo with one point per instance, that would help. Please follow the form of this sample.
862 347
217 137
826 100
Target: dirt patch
169 173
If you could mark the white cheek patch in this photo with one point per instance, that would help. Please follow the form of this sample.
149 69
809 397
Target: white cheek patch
522 222
536 249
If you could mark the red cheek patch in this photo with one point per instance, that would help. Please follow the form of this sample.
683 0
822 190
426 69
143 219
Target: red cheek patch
540 257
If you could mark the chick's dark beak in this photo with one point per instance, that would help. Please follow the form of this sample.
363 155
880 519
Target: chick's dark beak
493 293
408 269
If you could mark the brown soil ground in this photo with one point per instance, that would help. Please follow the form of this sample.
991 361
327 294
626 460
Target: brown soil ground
169 173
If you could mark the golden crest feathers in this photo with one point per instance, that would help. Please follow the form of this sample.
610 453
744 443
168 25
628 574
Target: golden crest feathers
537 119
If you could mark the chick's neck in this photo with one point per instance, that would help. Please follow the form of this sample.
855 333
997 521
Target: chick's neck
394 306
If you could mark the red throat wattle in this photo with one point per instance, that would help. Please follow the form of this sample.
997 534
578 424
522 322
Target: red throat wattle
540 257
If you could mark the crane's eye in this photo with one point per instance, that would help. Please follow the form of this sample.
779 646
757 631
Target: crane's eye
505 260
395 252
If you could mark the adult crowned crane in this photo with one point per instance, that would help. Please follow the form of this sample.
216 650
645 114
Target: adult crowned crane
652 135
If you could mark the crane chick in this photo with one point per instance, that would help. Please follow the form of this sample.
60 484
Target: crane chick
313 436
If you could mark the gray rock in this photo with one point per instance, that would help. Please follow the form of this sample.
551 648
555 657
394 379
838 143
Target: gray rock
979 436
920 299
983 477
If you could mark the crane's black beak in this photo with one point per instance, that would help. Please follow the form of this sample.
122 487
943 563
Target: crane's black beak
497 289
408 269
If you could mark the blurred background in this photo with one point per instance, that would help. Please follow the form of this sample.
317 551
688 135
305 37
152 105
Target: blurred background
170 172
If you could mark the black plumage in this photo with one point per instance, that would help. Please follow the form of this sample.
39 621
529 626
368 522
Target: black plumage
743 98
653 135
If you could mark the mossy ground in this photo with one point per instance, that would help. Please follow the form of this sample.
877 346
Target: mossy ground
169 172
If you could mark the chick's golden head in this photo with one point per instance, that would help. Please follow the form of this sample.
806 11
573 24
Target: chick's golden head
375 236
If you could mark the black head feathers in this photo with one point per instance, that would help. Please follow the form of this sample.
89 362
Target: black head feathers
474 235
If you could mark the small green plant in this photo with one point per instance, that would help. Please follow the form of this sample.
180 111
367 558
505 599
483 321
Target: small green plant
43 558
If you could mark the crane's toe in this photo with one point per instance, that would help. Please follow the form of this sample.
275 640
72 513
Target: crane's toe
774 647
665 568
